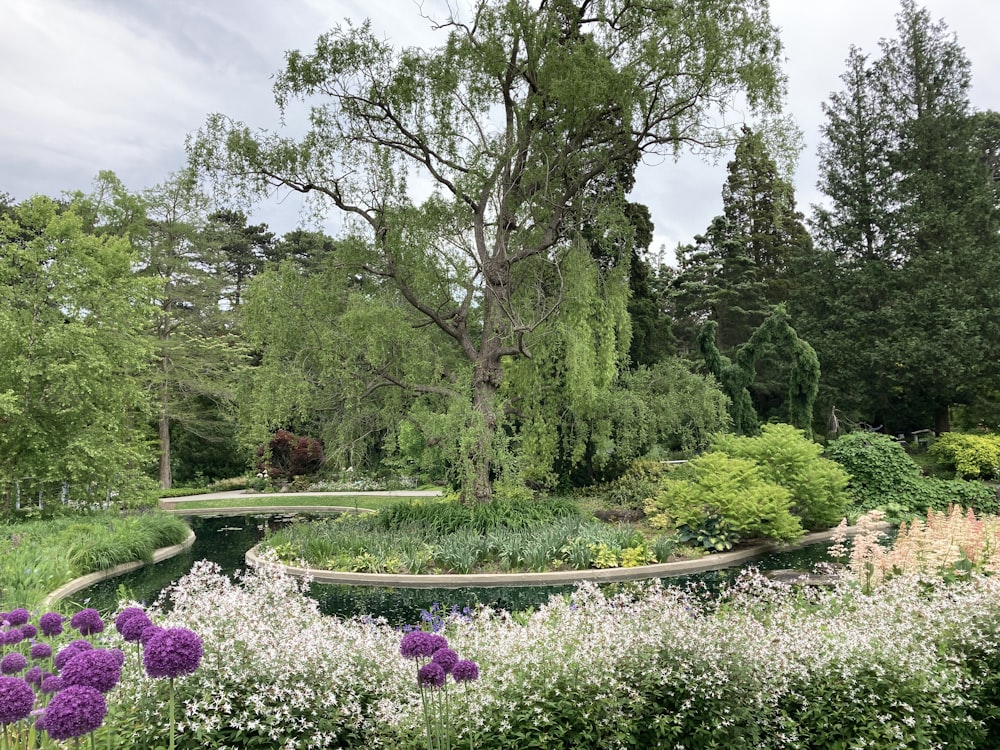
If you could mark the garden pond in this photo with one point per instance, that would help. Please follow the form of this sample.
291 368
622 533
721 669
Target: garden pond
225 539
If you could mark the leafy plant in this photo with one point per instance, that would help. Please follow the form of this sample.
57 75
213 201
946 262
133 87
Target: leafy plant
970 456
731 489
791 460
713 533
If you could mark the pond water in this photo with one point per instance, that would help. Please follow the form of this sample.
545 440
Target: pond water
225 540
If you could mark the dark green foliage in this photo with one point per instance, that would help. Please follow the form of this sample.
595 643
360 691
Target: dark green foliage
884 476
790 459
774 334
448 516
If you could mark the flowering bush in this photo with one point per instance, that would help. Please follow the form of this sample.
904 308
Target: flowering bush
764 666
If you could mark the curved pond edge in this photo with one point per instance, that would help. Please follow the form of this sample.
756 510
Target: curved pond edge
553 578
266 510
78 584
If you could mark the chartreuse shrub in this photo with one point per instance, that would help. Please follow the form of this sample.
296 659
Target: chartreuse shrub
720 490
970 456
884 477
791 460
764 667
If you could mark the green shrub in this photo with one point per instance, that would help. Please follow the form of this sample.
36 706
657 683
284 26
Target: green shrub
970 456
791 460
883 476
733 489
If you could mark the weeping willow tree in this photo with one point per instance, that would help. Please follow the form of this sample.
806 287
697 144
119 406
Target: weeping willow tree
774 334
517 129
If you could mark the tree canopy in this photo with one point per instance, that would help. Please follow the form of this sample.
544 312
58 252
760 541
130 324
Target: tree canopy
468 172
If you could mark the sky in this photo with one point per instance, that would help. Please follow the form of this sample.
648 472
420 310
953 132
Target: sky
93 85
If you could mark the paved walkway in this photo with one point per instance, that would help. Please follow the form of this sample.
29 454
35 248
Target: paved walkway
238 494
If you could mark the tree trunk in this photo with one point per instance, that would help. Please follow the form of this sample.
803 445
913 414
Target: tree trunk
485 384
166 479
942 420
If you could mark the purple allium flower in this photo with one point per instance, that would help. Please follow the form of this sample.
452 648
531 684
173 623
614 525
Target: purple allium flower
446 658
19 616
74 711
29 631
13 636
172 653
465 671
131 622
96 668
16 699
51 684
148 633
51 624
34 676
13 663
430 675
118 654
69 651
418 644
40 651
87 621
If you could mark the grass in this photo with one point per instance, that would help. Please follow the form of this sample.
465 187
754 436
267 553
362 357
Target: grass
370 502
39 556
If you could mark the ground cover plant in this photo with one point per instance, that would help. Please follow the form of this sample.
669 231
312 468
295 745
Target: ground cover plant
36 557
444 536
884 477
764 665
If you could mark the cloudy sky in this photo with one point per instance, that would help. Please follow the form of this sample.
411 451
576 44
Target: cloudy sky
117 84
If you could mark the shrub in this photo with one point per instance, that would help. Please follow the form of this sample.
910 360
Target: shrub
970 456
734 490
790 459
286 456
884 477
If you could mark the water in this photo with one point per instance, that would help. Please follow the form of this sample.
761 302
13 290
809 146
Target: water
225 539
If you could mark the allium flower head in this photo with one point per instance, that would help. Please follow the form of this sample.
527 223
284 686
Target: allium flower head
148 633
421 644
52 683
19 616
73 711
34 676
446 658
16 699
118 654
96 668
40 651
29 631
87 621
13 636
131 622
172 653
51 624
431 675
13 663
465 671
69 651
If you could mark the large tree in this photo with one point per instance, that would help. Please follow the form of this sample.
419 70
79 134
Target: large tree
515 133
72 341
902 320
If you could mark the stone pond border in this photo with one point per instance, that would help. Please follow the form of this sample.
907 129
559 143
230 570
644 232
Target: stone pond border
68 589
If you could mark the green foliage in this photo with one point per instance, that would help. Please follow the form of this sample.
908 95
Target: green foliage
970 456
72 342
734 490
883 476
489 265
712 533
36 557
789 459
